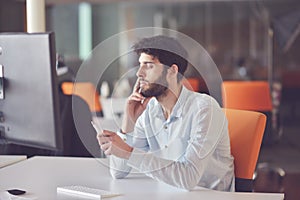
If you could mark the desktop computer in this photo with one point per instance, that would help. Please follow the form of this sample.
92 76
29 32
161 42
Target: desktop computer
29 101
36 118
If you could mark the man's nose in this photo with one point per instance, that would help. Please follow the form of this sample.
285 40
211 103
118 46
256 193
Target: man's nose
140 72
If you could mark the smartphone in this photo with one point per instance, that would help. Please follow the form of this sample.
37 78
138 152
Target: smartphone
16 191
96 127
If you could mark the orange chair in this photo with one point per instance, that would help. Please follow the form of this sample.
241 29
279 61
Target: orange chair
191 84
247 95
195 84
255 96
86 91
246 129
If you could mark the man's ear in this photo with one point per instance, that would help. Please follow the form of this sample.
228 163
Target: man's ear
173 70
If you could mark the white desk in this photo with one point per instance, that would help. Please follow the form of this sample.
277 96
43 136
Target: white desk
40 176
6 160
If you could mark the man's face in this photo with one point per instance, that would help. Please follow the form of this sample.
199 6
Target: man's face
152 76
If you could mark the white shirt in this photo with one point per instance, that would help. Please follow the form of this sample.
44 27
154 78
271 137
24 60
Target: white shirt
190 148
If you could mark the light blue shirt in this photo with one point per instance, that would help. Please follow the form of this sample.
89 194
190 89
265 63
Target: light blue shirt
190 148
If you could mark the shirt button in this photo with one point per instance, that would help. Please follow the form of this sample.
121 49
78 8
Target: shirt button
165 127
166 146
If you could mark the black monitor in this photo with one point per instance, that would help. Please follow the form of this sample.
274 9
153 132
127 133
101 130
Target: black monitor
29 102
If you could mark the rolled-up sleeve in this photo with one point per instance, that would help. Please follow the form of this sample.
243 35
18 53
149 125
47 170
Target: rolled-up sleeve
136 139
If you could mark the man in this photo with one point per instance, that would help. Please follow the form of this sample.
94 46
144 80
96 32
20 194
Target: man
169 133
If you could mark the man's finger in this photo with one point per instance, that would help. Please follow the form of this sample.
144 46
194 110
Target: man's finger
107 133
136 85
105 146
107 151
104 140
145 101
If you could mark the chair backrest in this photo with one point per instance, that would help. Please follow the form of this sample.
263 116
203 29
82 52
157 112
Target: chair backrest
191 84
247 95
246 130
78 133
86 91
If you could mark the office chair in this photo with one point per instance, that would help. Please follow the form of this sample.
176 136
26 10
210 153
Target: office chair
269 178
246 129
87 92
196 84
191 84
79 137
254 96
247 95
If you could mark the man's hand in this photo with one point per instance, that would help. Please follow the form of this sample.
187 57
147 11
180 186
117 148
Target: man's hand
135 106
112 144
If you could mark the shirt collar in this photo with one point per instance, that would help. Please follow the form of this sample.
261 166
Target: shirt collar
177 110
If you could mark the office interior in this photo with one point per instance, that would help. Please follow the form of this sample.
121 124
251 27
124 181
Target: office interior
249 40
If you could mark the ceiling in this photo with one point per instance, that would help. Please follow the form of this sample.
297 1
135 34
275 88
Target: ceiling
52 2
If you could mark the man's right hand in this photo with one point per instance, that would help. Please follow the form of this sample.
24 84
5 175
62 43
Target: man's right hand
135 106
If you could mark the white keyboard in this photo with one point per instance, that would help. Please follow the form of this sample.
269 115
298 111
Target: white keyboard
86 192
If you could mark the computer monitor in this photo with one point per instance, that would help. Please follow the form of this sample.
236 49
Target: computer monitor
29 101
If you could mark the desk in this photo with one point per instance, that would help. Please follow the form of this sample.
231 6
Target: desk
40 176
6 160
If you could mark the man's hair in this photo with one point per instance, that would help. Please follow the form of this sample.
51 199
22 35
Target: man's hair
166 49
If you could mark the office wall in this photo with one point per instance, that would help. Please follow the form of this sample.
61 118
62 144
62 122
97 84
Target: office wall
63 20
105 24
229 31
12 16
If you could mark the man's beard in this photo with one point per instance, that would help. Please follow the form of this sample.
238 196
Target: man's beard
158 88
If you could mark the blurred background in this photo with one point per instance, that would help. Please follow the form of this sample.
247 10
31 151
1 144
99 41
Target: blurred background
247 39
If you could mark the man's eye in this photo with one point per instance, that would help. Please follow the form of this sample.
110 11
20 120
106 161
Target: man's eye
149 65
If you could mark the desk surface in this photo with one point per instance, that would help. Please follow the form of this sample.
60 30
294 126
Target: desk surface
40 176
6 160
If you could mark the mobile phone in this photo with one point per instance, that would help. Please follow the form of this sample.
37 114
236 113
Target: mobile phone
96 127
16 191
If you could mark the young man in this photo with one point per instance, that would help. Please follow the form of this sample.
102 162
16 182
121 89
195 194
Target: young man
169 133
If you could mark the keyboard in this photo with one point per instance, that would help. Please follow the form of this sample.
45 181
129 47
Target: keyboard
84 191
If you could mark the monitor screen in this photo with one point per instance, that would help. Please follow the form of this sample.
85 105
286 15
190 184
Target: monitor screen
29 102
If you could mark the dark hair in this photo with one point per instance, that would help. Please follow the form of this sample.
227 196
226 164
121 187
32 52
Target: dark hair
166 49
